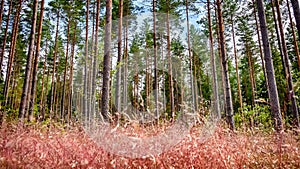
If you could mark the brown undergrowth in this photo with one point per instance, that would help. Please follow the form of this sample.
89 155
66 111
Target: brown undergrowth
38 146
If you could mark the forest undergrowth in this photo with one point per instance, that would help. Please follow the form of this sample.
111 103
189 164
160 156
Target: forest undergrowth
41 146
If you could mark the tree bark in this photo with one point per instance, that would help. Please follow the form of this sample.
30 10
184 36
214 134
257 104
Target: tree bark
259 44
53 88
12 51
155 60
107 61
236 64
215 100
296 9
85 87
41 110
71 74
251 71
62 113
118 80
274 100
228 98
170 62
29 64
95 63
291 92
36 60
5 37
1 10
294 35
192 78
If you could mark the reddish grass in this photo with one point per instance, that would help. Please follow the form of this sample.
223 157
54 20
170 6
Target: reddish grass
38 147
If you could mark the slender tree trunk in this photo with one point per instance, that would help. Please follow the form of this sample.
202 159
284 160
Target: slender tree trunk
57 97
291 92
62 113
91 79
125 101
16 73
228 98
251 71
12 51
222 106
71 74
85 88
278 37
28 99
236 64
296 9
52 96
118 80
107 61
95 66
1 10
192 78
5 37
274 100
147 77
215 100
41 110
170 63
155 60
29 63
294 35
281 51
259 43
36 60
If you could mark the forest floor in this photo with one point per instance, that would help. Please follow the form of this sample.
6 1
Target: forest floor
38 146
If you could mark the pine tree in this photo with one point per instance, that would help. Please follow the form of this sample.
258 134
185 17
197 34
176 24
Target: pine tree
274 100
25 96
107 61
228 97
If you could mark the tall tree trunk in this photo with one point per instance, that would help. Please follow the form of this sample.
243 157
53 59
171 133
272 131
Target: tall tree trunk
296 9
274 100
280 49
215 100
155 60
29 63
259 43
251 73
15 75
236 63
41 110
52 96
29 89
12 51
118 80
36 60
222 106
294 35
5 37
57 97
107 61
95 66
192 78
85 88
228 98
170 62
125 98
71 74
291 92
1 10
62 113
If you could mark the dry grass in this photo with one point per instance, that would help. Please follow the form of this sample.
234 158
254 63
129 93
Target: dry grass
38 147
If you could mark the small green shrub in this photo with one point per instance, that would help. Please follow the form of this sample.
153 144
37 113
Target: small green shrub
257 116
